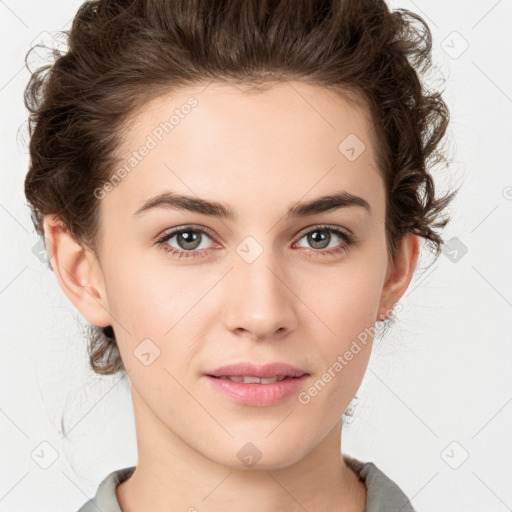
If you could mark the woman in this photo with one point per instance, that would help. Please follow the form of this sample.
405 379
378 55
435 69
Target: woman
232 194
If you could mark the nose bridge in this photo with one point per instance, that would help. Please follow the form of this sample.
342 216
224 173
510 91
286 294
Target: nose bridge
261 302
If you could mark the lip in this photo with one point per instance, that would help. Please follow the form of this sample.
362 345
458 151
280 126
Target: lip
258 395
261 371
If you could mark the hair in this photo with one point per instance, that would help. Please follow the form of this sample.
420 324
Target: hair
123 53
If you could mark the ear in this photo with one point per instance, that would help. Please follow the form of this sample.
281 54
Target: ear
399 274
78 272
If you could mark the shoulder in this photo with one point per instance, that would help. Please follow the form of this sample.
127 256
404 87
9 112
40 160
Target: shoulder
106 499
383 494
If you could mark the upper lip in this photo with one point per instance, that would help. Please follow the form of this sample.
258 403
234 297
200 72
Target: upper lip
252 370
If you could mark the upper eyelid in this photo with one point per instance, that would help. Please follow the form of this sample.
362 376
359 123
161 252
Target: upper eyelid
186 227
339 229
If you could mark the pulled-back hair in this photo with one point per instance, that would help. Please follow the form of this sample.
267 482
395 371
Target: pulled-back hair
123 53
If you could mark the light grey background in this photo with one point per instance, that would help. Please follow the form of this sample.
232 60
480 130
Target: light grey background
437 392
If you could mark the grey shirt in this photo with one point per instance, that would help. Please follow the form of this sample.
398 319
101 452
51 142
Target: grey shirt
383 495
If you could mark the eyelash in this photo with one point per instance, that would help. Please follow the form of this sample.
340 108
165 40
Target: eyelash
161 241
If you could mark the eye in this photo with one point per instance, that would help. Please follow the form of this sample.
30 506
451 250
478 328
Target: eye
191 241
320 238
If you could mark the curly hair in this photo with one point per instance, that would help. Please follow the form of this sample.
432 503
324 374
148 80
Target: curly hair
123 53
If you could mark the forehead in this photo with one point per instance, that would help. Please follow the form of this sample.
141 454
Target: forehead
215 140
291 109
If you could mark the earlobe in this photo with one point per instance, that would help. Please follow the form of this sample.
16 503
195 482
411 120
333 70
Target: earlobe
78 272
400 273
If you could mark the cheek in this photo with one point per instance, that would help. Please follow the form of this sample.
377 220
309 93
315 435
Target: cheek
346 299
141 300
150 300
348 312
350 306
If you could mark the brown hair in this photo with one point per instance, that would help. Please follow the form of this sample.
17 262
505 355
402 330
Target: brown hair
123 53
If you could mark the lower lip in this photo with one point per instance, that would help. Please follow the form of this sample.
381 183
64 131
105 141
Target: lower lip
258 395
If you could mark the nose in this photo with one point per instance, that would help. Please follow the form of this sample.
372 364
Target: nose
259 298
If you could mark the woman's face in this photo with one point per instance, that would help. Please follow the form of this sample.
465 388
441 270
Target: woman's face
259 286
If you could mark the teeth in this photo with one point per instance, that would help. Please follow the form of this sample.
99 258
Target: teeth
254 380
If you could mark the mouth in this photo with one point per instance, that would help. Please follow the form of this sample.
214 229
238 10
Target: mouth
254 385
253 391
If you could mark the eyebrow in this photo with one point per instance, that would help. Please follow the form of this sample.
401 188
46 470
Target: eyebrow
170 200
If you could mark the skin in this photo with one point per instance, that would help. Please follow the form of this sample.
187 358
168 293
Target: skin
259 153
